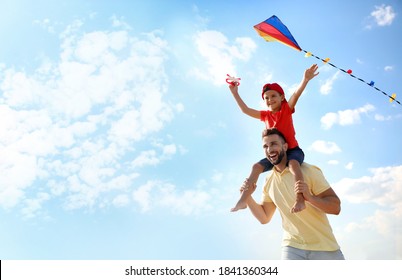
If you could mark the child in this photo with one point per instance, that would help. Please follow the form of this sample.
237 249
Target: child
279 115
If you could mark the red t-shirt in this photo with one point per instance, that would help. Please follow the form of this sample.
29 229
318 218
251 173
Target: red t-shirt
283 121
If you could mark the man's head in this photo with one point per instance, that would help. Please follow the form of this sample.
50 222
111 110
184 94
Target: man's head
274 145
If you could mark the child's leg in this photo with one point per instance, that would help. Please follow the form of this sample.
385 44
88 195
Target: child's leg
256 170
294 167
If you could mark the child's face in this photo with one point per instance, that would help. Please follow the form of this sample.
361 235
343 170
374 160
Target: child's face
273 100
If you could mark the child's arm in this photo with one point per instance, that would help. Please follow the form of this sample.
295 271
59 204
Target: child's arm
243 107
309 74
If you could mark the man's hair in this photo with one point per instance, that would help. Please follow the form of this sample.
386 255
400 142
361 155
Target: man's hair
273 131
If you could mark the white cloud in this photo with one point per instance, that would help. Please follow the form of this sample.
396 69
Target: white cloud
326 88
156 194
71 125
333 162
219 54
379 117
121 200
120 22
384 189
346 117
325 147
46 24
388 68
243 48
383 15
152 157
169 149
33 206
17 172
349 166
262 79
329 119
179 107
146 158
142 196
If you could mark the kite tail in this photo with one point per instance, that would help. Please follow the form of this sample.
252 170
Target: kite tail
371 84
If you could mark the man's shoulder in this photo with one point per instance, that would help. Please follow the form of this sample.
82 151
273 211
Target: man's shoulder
315 178
310 167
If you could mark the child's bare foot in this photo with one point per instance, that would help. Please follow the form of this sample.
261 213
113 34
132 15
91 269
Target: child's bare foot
246 190
239 206
298 206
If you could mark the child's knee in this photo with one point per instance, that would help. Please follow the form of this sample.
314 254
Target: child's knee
294 163
257 167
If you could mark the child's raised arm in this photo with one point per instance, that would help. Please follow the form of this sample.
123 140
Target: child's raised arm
243 107
309 74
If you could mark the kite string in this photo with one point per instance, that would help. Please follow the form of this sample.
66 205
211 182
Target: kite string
370 84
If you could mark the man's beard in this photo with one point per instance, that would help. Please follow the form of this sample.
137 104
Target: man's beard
279 159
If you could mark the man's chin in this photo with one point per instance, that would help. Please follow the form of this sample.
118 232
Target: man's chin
274 162
276 159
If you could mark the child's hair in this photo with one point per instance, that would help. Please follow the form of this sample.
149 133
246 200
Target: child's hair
273 131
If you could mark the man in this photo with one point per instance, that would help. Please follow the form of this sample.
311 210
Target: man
307 234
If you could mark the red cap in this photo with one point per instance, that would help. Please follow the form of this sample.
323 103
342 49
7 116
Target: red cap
273 86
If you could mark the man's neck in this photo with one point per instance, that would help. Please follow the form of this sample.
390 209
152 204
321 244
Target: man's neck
281 166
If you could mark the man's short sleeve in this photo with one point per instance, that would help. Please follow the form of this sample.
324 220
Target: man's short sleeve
318 183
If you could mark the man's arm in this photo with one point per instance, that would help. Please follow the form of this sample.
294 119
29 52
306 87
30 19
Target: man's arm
327 201
262 212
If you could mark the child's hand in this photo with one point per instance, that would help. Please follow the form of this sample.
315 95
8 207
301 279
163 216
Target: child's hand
311 72
234 88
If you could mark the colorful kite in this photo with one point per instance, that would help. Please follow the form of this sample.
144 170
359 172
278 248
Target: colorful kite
273 29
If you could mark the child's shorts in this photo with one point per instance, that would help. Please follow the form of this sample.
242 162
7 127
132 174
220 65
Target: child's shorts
295 154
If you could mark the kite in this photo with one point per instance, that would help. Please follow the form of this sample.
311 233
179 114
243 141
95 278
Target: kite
233 80
273 30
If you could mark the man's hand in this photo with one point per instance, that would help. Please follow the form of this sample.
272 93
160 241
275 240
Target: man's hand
246 186
302 187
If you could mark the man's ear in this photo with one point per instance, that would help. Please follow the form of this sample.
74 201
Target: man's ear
285 146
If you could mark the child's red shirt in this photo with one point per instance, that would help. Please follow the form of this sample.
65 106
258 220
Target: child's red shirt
283 121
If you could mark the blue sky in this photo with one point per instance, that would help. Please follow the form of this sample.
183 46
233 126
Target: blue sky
119 138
